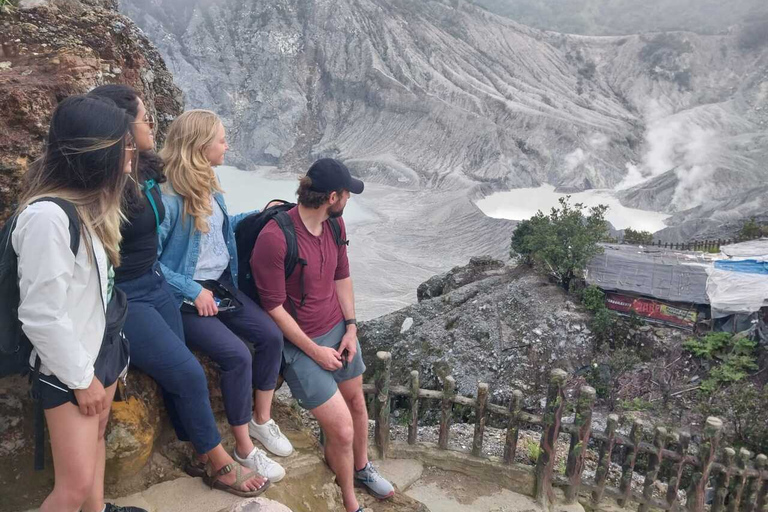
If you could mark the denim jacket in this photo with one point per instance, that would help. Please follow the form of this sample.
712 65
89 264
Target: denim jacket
179 246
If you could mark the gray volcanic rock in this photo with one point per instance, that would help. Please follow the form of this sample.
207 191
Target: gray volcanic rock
444 95
717 219
505 326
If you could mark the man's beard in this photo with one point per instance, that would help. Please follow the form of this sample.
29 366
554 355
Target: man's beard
335 214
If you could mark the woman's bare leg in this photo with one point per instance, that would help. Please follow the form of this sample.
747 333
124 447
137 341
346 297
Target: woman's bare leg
95 501
73 443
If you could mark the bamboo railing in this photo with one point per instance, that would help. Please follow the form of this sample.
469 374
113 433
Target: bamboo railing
740 483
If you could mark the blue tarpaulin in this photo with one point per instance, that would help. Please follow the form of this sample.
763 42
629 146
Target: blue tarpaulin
745 266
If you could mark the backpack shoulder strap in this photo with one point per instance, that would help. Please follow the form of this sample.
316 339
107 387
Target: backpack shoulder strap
74 220
336 228
292 246
148 186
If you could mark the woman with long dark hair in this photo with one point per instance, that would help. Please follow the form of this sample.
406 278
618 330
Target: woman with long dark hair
67 296
154 324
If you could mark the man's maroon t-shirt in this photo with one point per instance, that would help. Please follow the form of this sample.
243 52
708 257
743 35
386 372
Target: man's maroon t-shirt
326 263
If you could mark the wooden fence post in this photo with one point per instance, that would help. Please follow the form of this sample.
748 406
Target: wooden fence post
683 440
513 427
551 428
654 463
381 378
449 392
740 482
713 428
753 484
604 462
723 480
480 419
630 459
413 428
762 494
579 442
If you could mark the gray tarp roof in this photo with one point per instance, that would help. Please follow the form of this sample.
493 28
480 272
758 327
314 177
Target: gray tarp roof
664 274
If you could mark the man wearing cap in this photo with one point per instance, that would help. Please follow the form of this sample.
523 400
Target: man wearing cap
316 312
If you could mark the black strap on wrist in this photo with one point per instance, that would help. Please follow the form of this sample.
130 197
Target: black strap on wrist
350 321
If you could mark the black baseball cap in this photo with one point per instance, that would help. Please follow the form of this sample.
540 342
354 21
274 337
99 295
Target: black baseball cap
329 175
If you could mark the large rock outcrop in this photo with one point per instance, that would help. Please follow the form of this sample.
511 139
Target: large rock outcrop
485 322
51 49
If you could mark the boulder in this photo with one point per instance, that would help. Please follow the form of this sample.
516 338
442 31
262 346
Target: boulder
478 268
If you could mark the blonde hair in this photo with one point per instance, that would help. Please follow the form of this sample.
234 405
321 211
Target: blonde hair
189 172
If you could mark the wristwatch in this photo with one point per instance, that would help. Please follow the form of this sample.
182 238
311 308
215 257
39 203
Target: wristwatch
351 321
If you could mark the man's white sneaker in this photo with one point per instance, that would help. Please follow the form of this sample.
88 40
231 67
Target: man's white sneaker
258 461
270 436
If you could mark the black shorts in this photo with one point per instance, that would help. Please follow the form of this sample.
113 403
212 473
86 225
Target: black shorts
110 365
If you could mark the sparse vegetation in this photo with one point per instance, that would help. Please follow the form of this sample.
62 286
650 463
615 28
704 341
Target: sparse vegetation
532 449
752 229
744 406
7 5
636 404
562 243
638 237
730 358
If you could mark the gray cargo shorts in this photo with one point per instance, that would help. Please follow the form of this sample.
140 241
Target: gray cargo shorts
310 384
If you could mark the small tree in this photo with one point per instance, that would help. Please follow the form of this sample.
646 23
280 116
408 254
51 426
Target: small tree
561 243
751 229
638 237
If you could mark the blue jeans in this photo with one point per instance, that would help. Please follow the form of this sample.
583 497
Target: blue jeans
156 334
222 338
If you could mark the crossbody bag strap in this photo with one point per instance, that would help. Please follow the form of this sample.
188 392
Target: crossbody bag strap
148 186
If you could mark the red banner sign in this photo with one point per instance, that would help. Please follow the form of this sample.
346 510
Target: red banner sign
655 310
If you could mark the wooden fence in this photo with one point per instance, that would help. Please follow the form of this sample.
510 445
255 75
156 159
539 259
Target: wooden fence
699 245
740 483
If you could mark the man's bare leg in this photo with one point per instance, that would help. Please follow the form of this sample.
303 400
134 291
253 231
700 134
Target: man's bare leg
336 422
352 391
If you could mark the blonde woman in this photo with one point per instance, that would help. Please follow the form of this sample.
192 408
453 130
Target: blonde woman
198 257
67 239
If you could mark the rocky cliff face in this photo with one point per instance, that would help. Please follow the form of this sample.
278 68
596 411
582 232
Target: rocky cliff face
484 322
442 94
50 50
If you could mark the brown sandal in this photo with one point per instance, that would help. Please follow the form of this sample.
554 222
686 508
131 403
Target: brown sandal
215 483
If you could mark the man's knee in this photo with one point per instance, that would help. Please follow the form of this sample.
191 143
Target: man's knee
341 432
356 404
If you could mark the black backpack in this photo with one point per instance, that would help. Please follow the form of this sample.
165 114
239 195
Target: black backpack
15 348
248 231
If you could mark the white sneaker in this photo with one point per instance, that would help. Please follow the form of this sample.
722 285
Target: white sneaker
270 436
258 461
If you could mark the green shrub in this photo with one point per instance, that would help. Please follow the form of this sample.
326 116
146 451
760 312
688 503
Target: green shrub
593 299
752 229
638 237
562 243
636 404
733 358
